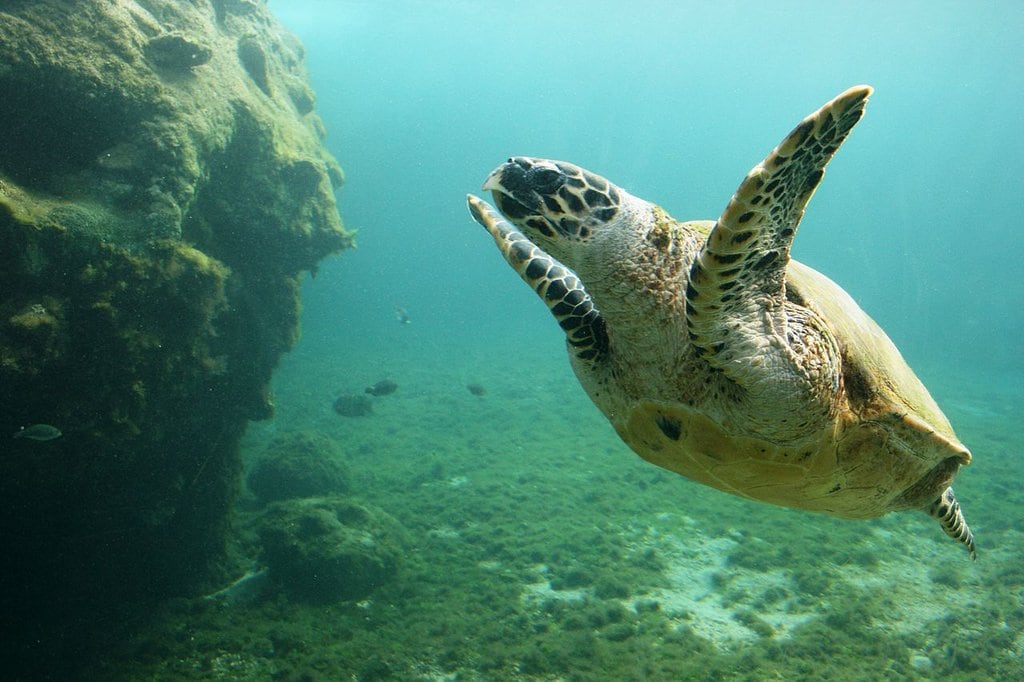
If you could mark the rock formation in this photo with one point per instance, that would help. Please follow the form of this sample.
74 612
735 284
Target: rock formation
324 549
163 185
298 464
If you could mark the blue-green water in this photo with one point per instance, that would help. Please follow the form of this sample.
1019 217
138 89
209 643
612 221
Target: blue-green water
540 547
918 218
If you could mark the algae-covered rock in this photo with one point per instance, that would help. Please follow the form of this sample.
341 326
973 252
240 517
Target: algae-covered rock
175 51
299 464
325 549
353 405
163 186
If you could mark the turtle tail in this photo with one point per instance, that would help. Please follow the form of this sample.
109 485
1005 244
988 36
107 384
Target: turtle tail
947 510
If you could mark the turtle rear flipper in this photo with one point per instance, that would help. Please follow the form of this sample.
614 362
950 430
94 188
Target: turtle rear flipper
947 510
736 302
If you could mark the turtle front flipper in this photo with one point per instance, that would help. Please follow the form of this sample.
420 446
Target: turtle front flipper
559 288
736 304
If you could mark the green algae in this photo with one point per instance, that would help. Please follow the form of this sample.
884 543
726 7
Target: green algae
564 563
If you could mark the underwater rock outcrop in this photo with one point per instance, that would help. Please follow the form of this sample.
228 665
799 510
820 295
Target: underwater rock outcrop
299 464
163 185
353 405
324 549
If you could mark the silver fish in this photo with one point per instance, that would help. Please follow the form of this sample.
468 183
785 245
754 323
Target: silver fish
38 432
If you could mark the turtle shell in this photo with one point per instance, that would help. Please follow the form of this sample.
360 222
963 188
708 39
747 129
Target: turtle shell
888 447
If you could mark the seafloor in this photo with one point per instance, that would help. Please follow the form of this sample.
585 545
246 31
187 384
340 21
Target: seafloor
540 548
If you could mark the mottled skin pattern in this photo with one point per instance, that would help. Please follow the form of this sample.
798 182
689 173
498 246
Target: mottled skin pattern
715 355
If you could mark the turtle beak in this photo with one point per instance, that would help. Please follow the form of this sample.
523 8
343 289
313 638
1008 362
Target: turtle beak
512 195
493 181
519 186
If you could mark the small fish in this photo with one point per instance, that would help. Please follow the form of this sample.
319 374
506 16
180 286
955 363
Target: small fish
38 432
402 315
383 387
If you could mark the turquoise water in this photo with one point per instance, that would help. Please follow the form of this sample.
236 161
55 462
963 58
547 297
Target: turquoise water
540 547
918 217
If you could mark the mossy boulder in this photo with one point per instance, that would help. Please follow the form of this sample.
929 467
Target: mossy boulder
353 405
324 549
299 464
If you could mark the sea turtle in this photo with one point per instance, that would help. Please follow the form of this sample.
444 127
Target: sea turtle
714 354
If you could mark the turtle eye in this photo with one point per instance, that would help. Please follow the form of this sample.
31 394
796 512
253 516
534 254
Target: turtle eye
544 180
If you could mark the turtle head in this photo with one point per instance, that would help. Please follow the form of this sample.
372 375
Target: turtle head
553 202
